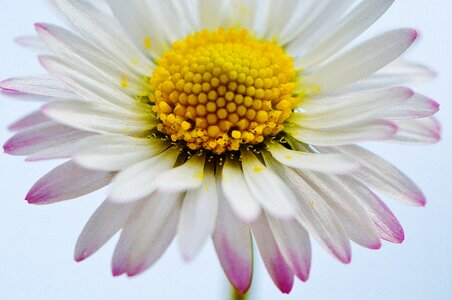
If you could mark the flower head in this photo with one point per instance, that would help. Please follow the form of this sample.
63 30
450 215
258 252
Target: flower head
231 119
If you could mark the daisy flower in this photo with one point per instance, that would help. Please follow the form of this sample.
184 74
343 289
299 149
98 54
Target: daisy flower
236 120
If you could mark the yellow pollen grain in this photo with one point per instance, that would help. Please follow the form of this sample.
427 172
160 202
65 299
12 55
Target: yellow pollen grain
216 90
124 81
257 169
147 43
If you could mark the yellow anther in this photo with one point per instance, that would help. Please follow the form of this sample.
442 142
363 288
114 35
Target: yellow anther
185 125
236 134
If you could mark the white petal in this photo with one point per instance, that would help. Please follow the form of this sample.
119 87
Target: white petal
70 47
363 60
294 244
90 85
67 181
138 180
147 234
355 23
347 206
267 188
237 193
141 24
312 161
106 221
279 12
42 137
274 261
378 130
98 118
387 224
418 131
116 152
232 241
314 214
33 119
101 30
66 149
349 108
399 72
198 216
41 86
188 176
318 19
419 106
31 42
383 176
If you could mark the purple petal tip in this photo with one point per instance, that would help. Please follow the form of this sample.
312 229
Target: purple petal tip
414 34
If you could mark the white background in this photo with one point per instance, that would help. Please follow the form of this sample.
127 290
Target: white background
37 242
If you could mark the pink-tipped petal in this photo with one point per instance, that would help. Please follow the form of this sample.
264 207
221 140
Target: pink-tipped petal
387 224
382 176
313 213
346 203
232 241
147 234
106 221
42 137
67 181
418 131
28 121
276 265
294 243
39 86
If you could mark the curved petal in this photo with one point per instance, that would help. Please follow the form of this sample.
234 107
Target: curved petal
294 244
40 86
418 106
363 60
116 152
101 30
139 180
382 176
387 224
237 193
99 118
274 261
418 131
232 241
312 161
30 120
346 204
198 216
188 176
42 137
355 23
373 131
147 234
267 188
106 221
350 108
314 214
67 181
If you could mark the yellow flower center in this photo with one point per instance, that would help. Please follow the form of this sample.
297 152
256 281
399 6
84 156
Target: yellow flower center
219 89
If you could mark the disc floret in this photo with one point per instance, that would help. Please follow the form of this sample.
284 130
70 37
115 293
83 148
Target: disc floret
220 89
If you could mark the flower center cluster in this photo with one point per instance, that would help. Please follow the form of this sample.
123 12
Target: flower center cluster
219 89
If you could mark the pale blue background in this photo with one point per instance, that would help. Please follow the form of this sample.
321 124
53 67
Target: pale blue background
37 242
